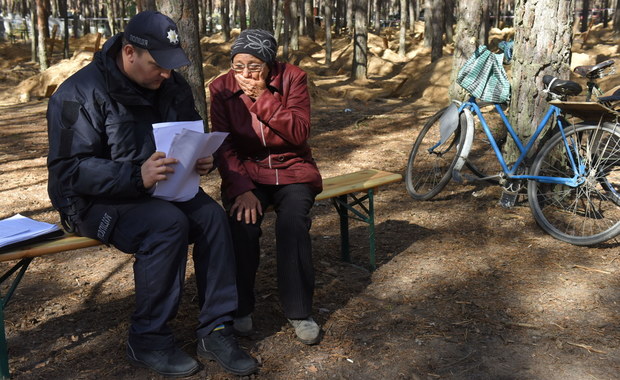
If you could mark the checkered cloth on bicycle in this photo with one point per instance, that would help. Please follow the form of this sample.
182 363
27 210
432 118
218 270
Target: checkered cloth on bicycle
484 77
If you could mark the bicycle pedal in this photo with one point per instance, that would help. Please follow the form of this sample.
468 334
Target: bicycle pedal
508 199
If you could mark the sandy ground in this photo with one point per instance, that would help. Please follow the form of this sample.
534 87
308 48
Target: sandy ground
464 289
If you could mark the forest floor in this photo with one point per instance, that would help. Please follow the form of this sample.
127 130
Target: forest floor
464 289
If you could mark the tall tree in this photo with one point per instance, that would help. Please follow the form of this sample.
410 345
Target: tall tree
466 40
241 5
585 9
376 19
485 23
286 29
327 9
225 19
111 15
278 29
359 68
543 40
617 17
402 40
434 27
62 8
145 5
261 15
449 20
309 12
185 14
294 24
43 34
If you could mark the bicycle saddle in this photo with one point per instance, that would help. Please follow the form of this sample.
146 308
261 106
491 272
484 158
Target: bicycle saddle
560 86
593 71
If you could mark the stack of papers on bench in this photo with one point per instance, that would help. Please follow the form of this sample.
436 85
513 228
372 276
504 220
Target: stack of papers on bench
19 230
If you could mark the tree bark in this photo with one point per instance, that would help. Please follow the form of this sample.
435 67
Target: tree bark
185 14
434 27
43 33
309 11
294 25
328 30
449 20
359 67
109 9
541 47
225 19
261 16
617 17
402 40
584 15
243 22
465 42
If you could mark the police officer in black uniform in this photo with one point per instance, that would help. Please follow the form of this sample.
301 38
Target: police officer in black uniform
103 168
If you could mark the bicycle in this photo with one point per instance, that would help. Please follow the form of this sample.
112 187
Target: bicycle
573 178
594 72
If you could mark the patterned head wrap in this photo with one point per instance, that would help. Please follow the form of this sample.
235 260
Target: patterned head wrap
257 42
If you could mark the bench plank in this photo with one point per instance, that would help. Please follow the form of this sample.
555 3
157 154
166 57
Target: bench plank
65 243
356 182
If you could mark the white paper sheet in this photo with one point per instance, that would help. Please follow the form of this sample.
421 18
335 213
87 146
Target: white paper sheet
19 228
186 142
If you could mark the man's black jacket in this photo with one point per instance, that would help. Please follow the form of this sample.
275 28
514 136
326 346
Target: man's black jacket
100 132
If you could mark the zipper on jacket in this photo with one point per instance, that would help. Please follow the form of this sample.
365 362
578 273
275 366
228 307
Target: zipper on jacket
262 135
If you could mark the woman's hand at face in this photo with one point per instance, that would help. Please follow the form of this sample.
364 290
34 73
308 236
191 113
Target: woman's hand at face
253 88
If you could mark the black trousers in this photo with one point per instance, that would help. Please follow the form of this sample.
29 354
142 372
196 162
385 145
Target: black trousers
158 232
295 272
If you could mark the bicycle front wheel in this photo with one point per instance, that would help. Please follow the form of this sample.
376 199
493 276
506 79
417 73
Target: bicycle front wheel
430 165
589 213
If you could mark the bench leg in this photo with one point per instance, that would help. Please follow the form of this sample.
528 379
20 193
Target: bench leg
343 213
371 228
22 266
366 215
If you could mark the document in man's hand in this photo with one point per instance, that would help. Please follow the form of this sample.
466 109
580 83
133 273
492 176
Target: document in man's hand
186 142
18 230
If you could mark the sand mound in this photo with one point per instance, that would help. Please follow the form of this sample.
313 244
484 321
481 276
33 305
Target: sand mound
389 73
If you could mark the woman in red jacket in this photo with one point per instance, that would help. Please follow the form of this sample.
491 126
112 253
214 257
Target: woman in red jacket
265 161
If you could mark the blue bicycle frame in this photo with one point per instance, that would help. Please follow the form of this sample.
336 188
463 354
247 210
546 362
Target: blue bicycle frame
553 111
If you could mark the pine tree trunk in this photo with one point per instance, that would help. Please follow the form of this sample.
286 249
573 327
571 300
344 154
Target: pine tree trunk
465 41
360 40
543 40
294 26
185 14
42 29
328 30
261 15
225 19
402 48
309 11
243 24
434 19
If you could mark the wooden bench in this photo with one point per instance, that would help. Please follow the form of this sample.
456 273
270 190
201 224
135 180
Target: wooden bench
343 190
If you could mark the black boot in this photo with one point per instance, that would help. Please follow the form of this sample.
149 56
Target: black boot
222 346
172 362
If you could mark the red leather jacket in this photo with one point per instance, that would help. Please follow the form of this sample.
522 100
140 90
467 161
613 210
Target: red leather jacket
268 138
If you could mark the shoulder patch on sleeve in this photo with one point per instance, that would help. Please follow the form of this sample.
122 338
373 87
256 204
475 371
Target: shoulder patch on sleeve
70 113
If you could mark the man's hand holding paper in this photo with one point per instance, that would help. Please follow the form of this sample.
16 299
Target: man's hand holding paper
192 149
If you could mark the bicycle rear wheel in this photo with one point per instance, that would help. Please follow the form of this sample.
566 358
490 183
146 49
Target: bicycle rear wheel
429 168
589 213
